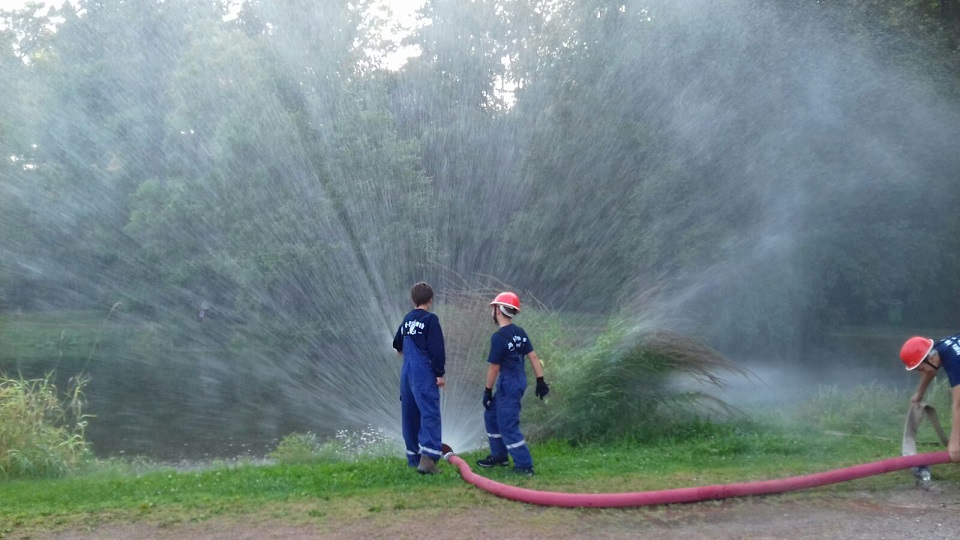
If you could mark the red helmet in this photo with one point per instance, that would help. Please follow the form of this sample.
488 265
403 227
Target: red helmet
507 299
914 350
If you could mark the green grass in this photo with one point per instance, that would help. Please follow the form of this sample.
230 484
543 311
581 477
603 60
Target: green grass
316 481
703 454
69 339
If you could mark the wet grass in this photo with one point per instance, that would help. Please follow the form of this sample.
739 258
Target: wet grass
836 429
40 334
701 454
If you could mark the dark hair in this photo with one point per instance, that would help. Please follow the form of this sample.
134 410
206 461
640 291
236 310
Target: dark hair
421 293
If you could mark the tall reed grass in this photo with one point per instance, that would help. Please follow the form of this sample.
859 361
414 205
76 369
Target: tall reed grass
41 433
622 385
872 410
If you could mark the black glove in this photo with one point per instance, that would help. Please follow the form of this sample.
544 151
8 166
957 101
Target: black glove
542 388
487 398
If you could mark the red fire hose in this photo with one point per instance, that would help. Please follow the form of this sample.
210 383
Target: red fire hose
693 494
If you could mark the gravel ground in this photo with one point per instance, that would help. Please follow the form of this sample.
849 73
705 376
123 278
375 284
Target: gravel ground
907 512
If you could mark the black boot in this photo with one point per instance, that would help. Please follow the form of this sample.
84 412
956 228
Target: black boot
491 461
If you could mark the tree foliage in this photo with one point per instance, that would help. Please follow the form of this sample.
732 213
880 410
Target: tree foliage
770 170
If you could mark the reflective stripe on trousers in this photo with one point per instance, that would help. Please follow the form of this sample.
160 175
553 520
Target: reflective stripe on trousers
502 421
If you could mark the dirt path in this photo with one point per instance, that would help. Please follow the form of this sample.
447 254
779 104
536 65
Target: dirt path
903 513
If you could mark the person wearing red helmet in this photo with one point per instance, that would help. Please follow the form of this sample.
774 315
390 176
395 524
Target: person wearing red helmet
927 357
419 339
508 345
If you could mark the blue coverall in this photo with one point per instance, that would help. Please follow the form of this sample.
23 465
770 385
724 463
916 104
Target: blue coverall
420 339
508 346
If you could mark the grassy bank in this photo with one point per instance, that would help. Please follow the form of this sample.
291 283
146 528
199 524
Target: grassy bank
642 452
702 454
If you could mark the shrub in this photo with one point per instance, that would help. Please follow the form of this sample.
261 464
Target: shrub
622 385
40 436
297 448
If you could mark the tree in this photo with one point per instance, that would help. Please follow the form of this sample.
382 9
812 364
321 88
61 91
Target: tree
25 53
97 133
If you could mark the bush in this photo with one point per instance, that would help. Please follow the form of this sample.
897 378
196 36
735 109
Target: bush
40 436
621 386
297 448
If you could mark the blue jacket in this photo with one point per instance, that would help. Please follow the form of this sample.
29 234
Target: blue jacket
508 346
949 350
424 329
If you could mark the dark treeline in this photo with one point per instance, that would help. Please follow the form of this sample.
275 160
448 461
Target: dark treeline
769 170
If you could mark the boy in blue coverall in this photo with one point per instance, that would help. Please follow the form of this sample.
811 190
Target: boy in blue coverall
927 357
508 346
420 341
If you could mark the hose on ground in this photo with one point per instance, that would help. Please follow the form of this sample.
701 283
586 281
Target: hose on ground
691 494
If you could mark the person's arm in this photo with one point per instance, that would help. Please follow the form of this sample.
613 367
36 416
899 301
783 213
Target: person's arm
492 371
537 365
954 446
542 388
437 350
497 348
398 341
925 379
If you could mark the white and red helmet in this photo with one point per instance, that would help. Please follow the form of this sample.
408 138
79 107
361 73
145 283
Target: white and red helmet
914 350
507 300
